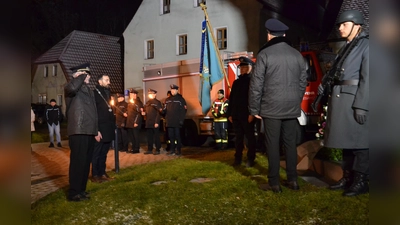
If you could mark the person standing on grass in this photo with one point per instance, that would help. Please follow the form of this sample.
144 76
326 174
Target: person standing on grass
106 132
238 114
120 116
347 122
277 86
174 111
53 118
218 110
134 120
153 117
82 128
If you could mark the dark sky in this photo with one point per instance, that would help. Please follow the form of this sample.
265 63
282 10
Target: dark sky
52 20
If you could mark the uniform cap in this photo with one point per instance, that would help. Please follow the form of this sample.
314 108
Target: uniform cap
354 16
81 68
244 61
131 90
174 86
276 27
151 91
221 91
120 95
52 100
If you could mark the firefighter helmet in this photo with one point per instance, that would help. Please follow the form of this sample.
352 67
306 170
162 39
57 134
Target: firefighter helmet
354 16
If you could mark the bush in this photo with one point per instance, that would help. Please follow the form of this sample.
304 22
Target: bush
332 154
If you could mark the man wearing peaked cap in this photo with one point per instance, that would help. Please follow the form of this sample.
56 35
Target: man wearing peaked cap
81 68
244 61
279 78
151 91
82 129
276 27
174 111
174 86
134 120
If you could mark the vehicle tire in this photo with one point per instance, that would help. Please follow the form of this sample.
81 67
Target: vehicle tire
189 134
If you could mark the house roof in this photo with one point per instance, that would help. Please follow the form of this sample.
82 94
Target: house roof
103 52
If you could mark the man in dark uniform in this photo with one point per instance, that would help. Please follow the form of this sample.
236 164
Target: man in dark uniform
347 117
134 120
218 110
175 111
82 128
238 114
166 137
120 115
153 108
276 90
106 133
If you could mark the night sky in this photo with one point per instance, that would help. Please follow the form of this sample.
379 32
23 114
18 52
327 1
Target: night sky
51 21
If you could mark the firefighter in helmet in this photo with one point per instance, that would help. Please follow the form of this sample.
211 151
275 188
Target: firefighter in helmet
218 110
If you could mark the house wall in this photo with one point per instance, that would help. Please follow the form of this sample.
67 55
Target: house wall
51 86
240 17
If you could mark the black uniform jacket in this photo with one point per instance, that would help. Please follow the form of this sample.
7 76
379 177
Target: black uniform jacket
152 109
239 98
81 107
134 113
175 110
106 118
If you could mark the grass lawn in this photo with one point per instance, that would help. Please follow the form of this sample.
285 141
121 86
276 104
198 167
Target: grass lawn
232 197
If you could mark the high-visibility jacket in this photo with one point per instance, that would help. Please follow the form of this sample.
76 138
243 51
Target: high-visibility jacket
219 109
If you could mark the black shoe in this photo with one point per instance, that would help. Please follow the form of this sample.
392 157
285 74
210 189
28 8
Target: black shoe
250 163
156 153
51 145
78 198
59 144
292 185
171 153
273 188
148 152
85 194
359 186
134 152
344 182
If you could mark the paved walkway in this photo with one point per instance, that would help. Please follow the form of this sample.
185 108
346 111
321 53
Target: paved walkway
49 166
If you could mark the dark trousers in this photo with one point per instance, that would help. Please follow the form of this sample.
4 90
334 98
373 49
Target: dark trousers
243 128
122 139
273 129
133 134
99 158
175 138
356 160
79 166
153 137
220 130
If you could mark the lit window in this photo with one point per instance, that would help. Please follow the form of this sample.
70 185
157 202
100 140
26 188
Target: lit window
46 71
182 44
150 49
222 38
54 70
165 6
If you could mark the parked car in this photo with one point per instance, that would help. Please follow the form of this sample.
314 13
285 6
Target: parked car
39 110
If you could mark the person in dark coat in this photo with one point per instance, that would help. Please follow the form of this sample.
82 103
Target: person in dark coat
134 120
238 114
152 109
276 90
348 105
120 116
175 111
82 128
53 118
106 133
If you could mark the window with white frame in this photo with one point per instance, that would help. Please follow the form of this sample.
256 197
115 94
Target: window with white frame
181 44
54 70
59 100
46 71
196 3
165 6
222 38
42 98
149 49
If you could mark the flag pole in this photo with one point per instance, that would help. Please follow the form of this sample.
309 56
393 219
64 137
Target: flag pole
204 8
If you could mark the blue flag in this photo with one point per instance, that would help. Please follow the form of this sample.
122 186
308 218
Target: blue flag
210 68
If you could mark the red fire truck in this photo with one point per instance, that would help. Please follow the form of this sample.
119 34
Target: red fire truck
198 127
